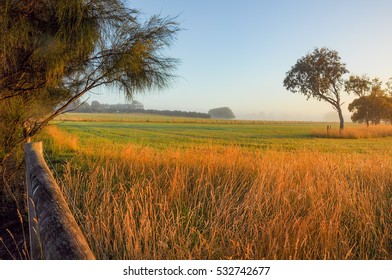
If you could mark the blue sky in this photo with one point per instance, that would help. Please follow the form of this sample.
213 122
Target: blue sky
236 53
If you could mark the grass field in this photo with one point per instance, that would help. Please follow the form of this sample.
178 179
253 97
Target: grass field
166 132
151 187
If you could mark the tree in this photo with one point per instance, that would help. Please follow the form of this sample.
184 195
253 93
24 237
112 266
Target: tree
96 106
360 86
364 110
372 105
388 112
53 52
221 113
136 105
389 87
371 108
319 75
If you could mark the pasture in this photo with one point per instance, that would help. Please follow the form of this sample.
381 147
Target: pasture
153 187
163 132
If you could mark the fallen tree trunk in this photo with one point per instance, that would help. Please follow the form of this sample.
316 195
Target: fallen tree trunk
54 233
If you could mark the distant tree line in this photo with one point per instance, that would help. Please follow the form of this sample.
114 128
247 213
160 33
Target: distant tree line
175 113
96 107
134 107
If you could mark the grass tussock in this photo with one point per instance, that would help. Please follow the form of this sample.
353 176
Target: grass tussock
228 203
355 132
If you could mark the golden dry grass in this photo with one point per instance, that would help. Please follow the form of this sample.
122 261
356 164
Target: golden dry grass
228 203
59 140
355 132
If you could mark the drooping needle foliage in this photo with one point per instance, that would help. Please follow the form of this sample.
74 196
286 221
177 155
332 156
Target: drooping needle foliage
53 52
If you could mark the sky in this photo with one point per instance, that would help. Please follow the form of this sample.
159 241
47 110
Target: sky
236 53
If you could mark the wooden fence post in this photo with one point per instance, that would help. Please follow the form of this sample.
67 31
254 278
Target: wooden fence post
54 233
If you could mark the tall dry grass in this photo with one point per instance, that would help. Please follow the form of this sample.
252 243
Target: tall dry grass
355 132
60 141
227 203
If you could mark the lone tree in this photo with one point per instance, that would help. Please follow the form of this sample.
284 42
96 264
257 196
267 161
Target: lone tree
53 52
221 113
319 75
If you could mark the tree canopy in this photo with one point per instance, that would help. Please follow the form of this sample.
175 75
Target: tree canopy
360 86
53 52
221 113
373 105
370 109
319 75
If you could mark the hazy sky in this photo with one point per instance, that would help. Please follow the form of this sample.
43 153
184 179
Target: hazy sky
236 53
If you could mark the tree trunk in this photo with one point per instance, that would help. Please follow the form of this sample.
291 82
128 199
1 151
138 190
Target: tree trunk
367 118
341 120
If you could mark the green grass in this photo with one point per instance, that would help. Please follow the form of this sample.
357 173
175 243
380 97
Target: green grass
167 132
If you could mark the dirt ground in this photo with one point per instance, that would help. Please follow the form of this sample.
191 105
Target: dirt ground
14 237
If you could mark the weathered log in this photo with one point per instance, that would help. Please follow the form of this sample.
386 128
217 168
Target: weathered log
59 235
